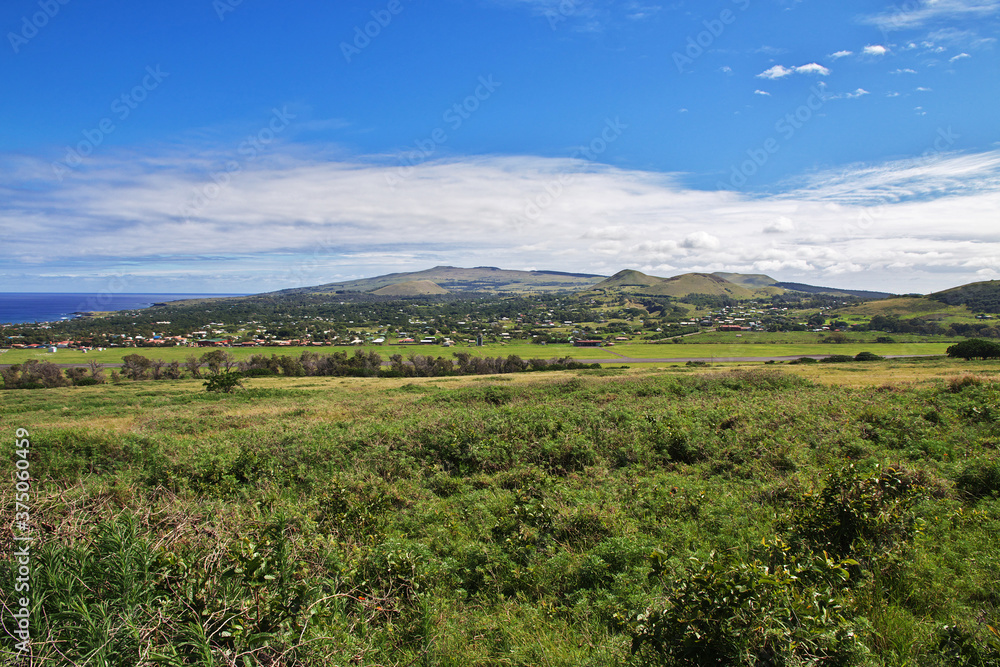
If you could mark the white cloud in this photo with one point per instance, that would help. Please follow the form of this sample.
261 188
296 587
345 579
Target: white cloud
781 225
761 92
923 89
959 57
726 69
909 16
841 54
903 71
780 71
297 219
701 240
775 72
812 68
875 50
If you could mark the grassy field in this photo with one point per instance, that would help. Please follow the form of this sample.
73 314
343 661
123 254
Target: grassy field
114 355
813 514
805 337
707 351
639 350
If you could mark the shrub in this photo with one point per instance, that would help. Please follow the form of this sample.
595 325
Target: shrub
867 356
957 384
837 359
980 479
224 382
734 612
857 514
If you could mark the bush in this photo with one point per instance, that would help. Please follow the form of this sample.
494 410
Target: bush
224 382
857 514
867 356
956 385
837 359
980 479
734 612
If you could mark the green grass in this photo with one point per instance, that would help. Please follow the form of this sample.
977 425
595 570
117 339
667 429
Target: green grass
707 351
114 355
702 346
537 519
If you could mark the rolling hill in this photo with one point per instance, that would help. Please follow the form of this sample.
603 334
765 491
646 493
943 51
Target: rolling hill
636 282
488 279
411 288
457 279
983 297
906 307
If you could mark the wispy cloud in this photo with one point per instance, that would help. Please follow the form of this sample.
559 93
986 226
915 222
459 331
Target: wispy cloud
841 54
875 50
959 57
780 71
320 217
911 15
761 92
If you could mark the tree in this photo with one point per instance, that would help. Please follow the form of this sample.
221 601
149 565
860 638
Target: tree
975 348
193 365
135 366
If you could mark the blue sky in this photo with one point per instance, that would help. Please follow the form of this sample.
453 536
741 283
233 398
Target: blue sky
244 146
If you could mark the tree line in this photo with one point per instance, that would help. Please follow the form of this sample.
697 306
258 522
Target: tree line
34 374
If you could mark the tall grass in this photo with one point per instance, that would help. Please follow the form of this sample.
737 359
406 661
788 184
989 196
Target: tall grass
572 518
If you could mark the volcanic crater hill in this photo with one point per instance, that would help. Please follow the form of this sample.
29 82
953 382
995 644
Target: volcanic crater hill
411 288
456 279
640 283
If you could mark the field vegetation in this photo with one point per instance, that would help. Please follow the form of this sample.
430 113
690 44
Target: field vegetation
814 514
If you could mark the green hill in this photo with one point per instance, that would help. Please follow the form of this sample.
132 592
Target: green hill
411 288
747 279
636 282
906 306
981 297
458 279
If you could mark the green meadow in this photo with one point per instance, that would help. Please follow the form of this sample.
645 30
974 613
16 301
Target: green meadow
826 514
636 350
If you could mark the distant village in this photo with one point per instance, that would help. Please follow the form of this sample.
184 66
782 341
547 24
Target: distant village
599 332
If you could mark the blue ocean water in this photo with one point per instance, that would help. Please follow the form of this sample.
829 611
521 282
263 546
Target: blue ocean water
16 307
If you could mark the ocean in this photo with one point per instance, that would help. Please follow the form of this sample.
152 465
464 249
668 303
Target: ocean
18 307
